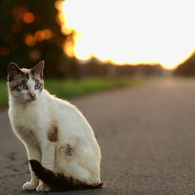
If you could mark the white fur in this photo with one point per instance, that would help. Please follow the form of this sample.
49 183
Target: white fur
37 117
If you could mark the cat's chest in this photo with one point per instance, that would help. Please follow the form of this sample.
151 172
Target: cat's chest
30 125
28 118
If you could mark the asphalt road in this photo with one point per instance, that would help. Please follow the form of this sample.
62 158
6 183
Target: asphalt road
146 134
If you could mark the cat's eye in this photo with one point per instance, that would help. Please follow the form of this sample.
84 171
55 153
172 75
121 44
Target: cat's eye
38 86
23 87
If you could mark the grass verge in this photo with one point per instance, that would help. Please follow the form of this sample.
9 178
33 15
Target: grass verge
69 88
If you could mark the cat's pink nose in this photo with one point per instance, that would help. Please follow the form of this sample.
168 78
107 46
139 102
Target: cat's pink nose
32 95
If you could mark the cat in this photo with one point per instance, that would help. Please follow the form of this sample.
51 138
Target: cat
62 150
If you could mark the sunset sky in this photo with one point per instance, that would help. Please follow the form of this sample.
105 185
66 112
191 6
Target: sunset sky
131 31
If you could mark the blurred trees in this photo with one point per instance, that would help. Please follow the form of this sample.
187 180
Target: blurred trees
96 68
30 32
186 68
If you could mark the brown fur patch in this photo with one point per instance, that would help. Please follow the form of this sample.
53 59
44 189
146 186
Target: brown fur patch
18 80
52 134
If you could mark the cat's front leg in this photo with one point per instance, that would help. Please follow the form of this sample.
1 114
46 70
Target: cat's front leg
34 181
48 161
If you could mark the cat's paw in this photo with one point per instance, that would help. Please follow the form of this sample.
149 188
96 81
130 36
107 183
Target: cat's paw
29 186
43 187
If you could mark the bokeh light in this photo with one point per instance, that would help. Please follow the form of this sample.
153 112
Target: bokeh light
28 17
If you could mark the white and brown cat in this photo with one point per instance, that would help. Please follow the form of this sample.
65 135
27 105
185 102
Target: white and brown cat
61 146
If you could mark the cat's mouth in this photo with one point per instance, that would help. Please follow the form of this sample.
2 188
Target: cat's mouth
31 100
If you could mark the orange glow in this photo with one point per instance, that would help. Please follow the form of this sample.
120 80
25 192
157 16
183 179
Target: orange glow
29 40
47 34
39 36
28 17
69 46
65 30
60 17
131 31
58 4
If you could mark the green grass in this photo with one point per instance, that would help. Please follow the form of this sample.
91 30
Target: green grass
3 94
68 88
73 88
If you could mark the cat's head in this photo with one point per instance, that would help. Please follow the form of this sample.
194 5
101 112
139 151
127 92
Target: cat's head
25 85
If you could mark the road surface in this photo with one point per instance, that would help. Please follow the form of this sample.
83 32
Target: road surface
146 134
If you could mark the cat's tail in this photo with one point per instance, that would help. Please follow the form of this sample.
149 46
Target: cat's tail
59 181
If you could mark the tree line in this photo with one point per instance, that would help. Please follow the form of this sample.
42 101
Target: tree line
96 68
187 68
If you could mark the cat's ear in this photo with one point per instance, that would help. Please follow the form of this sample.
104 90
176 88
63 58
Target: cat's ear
13 71
38 69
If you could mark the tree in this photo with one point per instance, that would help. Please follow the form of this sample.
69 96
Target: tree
30 32
187 68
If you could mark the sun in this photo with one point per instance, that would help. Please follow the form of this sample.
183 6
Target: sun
131 31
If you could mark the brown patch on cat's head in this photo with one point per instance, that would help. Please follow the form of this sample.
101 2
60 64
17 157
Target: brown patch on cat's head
13 72
52 134
16 76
